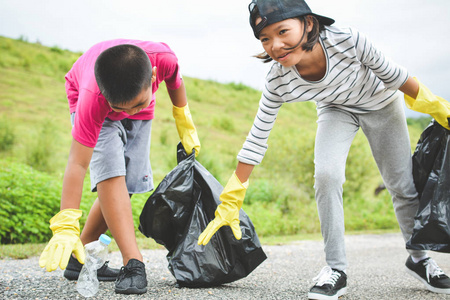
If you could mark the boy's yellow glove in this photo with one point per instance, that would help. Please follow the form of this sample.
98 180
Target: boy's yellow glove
66 239
186 129
227 213
427 102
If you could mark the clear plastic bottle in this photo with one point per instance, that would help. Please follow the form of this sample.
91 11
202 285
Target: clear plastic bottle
96 252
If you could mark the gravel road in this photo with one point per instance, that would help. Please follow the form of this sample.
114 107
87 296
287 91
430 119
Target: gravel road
376 272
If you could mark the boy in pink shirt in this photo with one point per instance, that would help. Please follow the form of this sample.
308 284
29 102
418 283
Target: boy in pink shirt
111 92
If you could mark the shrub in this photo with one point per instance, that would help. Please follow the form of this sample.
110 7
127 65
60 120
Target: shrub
224 122
56 49
40 150
29 199
420 123
238 86
261 191
6 135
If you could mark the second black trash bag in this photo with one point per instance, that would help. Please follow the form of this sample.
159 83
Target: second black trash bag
179 210
431 171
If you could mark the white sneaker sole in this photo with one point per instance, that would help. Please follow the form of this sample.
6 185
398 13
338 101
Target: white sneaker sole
427 285
315 296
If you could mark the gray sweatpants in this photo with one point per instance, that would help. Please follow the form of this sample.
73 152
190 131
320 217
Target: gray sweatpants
387 133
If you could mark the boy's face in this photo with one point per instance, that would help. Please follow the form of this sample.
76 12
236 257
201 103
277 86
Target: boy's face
135 105
140 102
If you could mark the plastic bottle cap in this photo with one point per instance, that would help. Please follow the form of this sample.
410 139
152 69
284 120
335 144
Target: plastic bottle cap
105 239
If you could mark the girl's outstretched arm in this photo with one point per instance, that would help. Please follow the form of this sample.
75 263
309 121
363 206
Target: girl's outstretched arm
419 98
243 171
410 88
232 198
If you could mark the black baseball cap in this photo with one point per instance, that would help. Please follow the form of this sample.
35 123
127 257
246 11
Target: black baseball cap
273 11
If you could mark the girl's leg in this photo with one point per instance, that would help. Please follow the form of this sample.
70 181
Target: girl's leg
387 133
335 133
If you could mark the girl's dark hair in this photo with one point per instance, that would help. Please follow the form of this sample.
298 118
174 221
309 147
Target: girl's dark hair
312 38
122 72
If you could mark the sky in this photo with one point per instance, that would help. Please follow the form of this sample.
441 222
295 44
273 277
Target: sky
213 39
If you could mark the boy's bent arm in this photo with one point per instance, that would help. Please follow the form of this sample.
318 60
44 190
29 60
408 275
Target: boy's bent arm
183 120
178 96
79 158
65 224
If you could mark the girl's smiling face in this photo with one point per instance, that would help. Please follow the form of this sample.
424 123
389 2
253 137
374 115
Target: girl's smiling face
281 40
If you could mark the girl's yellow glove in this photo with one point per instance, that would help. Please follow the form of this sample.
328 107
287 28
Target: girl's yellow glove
428 103
186 129
227 213
66 239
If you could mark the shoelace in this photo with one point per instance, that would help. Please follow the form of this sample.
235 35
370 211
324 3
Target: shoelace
327 276
432 269
128 271
105 265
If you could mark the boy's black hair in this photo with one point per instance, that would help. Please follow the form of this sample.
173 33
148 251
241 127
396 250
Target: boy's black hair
312 37
122 72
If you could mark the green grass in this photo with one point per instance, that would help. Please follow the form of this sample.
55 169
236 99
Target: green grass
35 131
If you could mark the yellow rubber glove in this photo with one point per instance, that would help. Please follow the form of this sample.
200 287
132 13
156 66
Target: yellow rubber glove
186 129
227 213
66 239
428 103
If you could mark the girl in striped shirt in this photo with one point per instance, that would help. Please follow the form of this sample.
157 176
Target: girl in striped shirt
354 86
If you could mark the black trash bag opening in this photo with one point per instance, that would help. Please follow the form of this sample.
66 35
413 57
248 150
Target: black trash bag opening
178 211
167 211
431 171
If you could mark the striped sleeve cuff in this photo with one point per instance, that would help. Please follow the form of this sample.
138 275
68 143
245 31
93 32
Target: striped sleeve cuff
252 153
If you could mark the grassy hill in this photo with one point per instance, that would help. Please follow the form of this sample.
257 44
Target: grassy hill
35 131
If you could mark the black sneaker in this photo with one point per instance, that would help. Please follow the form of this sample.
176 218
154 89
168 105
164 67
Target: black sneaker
105 273
429 273
132 278
330 284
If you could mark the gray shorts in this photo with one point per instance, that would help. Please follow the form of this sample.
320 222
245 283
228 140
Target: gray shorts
123 149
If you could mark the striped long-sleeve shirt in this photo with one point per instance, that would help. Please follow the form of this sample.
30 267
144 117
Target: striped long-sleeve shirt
358 78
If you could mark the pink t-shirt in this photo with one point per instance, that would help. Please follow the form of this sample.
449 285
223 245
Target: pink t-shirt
91 106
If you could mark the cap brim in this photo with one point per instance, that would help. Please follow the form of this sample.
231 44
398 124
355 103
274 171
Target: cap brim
324 20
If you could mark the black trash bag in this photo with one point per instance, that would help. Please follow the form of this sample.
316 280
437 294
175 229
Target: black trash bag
179 210
431 171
